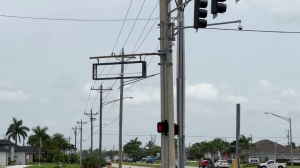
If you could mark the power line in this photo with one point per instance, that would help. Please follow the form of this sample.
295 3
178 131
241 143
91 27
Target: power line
144 27
134 23
77 20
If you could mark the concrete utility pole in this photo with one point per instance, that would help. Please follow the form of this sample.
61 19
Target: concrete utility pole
91 114
100 90
181 86
75 132
81 140
121 112
166 77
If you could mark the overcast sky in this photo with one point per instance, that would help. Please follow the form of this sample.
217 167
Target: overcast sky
46 73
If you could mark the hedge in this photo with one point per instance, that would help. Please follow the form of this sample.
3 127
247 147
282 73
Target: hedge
295 164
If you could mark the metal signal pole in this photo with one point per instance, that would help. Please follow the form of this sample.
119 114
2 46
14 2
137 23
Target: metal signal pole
167 97
181 86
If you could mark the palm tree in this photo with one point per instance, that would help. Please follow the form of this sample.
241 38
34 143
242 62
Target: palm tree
245 144
16 130
39 134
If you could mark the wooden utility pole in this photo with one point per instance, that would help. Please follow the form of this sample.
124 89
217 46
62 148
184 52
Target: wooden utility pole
81 140
100 90
75 132
121 112
91 115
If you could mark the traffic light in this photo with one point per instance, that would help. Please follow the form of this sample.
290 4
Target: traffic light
176 129
217 7
163 127
200 13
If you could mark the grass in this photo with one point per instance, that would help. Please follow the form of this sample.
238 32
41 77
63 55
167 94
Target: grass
52 165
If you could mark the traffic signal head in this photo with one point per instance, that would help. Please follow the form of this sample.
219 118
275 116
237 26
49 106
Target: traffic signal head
217 7
200 13
176 129
163 127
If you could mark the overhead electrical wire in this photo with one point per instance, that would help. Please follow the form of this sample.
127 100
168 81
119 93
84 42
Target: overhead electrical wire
77 20
125 43
144 27
112 50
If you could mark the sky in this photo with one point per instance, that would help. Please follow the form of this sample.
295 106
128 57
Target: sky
46 73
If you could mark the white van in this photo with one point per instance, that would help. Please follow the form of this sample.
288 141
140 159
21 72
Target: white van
253 159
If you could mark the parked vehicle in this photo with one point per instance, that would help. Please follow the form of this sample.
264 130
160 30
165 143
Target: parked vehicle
145 159
272 164
221 163
205 162
149 160
133 159
130 160
296 160
107 161
253 159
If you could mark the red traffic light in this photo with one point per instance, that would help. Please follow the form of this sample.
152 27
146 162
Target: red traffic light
163 127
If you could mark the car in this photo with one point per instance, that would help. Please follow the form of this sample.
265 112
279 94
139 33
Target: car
205 162
130 160
296 160
253 159
149 160
272 164
145 159
133 159
107 161
221 163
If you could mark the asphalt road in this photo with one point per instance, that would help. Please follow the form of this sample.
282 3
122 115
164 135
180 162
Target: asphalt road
130 166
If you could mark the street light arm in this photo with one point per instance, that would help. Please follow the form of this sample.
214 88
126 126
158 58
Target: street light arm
112 101
286 119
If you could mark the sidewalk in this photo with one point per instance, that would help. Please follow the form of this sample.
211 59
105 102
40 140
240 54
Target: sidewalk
17 166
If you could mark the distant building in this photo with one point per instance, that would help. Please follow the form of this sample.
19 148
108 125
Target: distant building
266 148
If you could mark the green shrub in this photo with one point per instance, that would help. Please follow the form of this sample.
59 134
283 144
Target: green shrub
282 160
92 162
251 165
295 164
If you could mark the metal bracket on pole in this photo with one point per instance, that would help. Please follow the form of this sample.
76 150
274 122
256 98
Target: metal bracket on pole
167 54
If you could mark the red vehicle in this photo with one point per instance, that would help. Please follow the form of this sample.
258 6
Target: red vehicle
205 162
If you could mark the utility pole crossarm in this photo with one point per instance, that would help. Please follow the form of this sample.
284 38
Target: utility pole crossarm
127 55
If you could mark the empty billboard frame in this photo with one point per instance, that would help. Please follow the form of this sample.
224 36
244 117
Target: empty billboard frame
143 73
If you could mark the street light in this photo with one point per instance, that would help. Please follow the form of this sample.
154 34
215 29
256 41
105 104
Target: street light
291 142
112 101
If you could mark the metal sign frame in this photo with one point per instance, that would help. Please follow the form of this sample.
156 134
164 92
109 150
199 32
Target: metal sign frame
144 70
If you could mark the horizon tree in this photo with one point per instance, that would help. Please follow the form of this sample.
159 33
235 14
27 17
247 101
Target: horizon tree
16 130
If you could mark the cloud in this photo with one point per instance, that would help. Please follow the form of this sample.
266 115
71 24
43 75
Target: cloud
202 91
86 90
235 99
290 93
144 95
282 11
7 96
265 83
44 100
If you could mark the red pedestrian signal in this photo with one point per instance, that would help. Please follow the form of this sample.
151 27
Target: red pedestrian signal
163 127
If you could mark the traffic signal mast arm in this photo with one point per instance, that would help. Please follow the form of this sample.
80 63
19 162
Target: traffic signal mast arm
212 24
